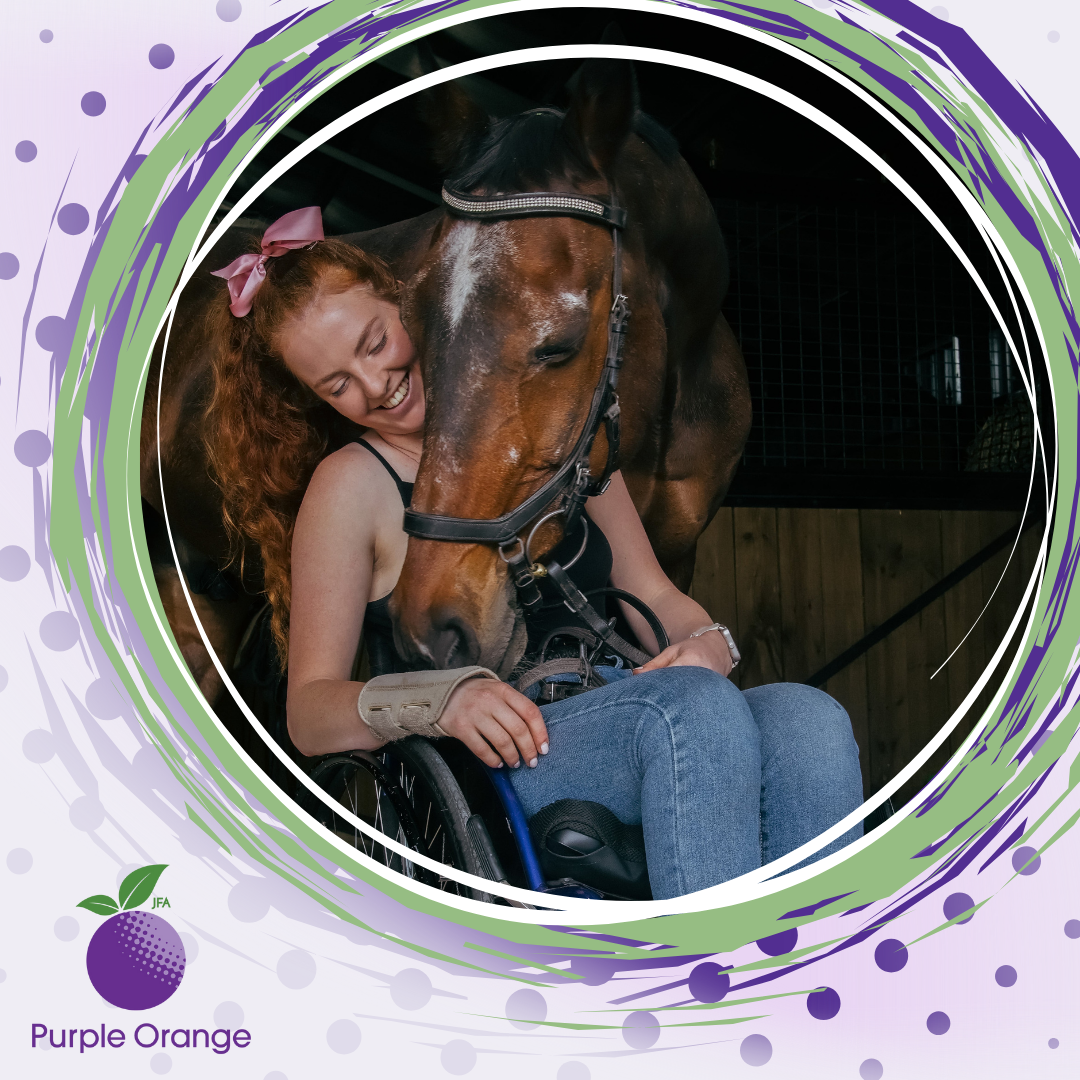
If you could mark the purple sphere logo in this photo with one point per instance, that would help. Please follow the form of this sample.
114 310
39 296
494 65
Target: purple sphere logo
136 959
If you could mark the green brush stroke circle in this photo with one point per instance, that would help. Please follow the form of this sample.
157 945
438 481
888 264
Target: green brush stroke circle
882 869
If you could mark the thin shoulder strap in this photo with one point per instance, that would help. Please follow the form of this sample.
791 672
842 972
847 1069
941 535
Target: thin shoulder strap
403 486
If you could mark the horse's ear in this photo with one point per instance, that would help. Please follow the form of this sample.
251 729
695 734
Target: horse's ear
603 102
456 122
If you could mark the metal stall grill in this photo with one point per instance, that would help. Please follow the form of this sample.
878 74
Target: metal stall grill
870 351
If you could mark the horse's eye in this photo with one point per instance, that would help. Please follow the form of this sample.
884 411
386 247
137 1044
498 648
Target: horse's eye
553 355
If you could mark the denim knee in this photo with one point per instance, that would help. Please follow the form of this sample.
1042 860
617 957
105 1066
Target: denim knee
695 707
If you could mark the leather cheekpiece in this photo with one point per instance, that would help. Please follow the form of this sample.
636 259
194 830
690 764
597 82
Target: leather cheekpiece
398 705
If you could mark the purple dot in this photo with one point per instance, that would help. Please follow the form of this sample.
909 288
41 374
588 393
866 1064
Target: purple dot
228 1014
526 1009
86 813
51 333
957 904
93 103
248 899
937 1023
66 928
1053 1044
1026 861
640 1030
103 701
778 944
296 969
458 1057
73 218
37 746
823 1003
709 983
755 1050
1072 928
1005 975
871 1069
1053 37
46 36
59 630
26 150
890 955
32 448
19 860
9 266
161 57
228 10
410 989
14 563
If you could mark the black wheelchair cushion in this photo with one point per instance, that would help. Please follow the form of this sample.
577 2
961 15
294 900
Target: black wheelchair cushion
586 842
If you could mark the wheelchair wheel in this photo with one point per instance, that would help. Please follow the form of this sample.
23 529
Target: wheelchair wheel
407 792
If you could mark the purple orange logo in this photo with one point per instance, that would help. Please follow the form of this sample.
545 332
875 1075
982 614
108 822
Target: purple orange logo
135 959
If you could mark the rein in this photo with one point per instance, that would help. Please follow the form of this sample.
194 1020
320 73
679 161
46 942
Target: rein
573 482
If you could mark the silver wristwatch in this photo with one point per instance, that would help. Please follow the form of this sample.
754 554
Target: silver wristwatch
736 656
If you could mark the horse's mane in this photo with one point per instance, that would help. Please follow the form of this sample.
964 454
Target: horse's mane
527 150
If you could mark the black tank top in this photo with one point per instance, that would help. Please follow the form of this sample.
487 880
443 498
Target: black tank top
592 571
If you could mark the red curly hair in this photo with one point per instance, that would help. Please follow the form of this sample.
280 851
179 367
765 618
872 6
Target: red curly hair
265 431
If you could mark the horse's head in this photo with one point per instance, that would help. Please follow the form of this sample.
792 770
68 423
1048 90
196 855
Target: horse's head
510 318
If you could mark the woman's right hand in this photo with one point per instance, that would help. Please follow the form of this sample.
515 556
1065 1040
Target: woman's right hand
496 722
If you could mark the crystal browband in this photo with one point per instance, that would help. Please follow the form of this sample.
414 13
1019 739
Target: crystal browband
534 203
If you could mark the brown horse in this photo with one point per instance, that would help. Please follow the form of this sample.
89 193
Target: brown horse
510 319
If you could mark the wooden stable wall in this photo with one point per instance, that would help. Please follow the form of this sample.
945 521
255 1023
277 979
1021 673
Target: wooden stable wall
799 586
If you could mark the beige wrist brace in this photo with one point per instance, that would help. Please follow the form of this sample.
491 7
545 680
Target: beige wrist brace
395 706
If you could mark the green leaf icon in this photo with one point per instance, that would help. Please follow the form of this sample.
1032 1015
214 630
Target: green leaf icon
136 888
100 905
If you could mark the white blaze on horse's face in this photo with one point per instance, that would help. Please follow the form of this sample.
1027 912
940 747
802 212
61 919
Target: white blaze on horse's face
471 253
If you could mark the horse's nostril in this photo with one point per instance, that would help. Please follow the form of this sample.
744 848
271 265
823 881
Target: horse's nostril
453 644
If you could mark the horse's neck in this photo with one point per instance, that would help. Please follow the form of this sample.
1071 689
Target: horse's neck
670 216
403 244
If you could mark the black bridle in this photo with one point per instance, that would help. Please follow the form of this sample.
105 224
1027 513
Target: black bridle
573 481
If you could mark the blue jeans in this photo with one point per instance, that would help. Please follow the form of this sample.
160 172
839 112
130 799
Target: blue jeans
722 781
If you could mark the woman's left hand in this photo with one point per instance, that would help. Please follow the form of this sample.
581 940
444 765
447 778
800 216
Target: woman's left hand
708 651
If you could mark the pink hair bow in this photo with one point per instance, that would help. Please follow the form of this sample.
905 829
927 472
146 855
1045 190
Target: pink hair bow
246 274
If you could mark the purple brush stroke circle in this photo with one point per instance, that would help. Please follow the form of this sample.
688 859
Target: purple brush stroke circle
871 1069
46 36
25 151
228 10
1053 1044
594 970
9 265
32 449
1072 928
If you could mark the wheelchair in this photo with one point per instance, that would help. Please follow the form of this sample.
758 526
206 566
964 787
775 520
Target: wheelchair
435 797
